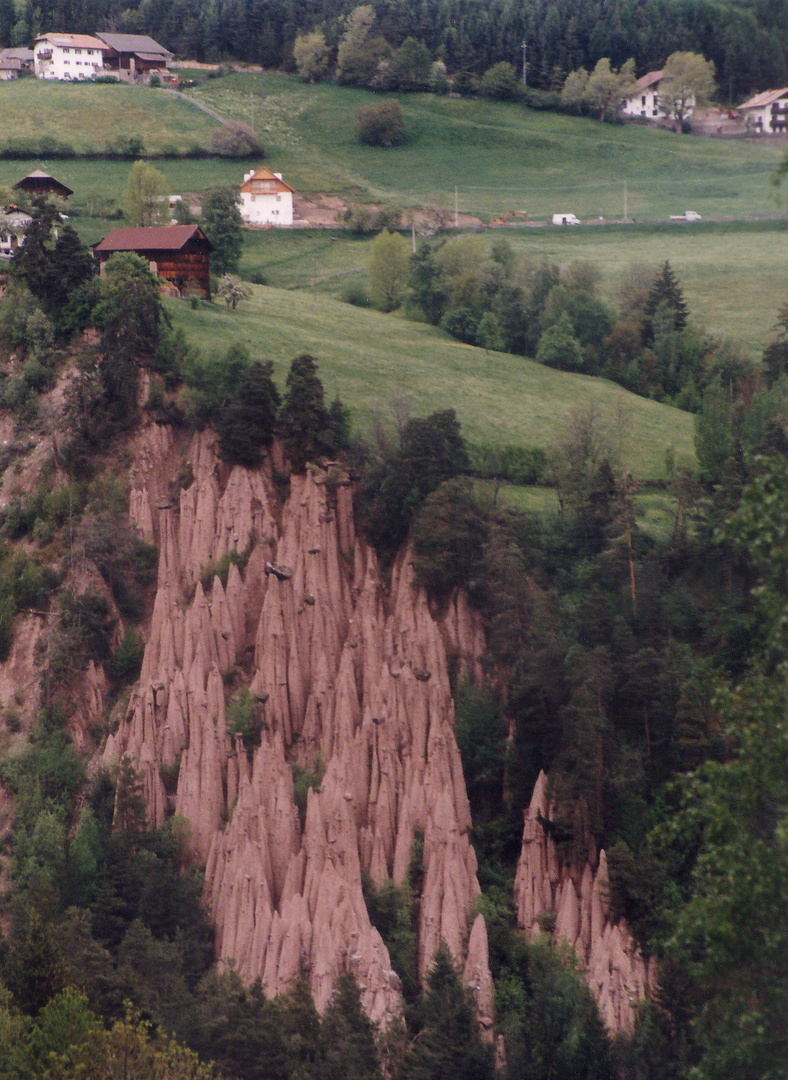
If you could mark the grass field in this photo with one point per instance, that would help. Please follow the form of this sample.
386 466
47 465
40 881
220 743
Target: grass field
89 116
371 359
499 157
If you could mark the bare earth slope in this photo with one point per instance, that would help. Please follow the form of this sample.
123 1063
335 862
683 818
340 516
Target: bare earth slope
349 672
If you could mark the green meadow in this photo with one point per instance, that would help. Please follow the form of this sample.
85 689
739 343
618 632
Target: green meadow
373 361
488 160
499 157
87 116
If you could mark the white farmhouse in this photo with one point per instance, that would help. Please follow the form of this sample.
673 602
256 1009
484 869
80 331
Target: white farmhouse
68 56
266 199
767 112
13 225
644 100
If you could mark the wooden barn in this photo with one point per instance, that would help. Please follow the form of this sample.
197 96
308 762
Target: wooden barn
179 254
38 183
133 56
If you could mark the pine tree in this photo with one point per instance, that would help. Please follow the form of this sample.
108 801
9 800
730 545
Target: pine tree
448 1044
347 1036
247 422
665 293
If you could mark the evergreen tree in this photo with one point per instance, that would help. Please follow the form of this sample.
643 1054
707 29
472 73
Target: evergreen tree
347 1037
665 293
448 1045
247 422
223 225
304 421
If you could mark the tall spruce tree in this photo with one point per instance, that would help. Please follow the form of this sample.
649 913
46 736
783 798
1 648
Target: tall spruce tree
666 294
304 421
448 1044
347 1037
247 422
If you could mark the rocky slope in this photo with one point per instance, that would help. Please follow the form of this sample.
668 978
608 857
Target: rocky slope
575 897
352 678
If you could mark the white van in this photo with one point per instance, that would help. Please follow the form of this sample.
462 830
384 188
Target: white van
565 219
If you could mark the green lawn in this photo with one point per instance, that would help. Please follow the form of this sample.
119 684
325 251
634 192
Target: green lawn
371 359
499 157
89 116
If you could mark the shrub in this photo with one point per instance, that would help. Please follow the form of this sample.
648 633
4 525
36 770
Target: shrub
381 125
303 780
235 140
126 661
245 719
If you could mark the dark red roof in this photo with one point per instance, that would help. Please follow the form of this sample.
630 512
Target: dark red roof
152 238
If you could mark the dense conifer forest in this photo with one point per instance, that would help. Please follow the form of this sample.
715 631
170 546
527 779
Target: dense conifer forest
747 41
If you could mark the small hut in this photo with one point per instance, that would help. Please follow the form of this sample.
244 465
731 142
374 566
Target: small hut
179 254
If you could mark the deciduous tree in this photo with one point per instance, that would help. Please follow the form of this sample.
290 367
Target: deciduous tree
387 269
146 198
687 82
606 87
310 53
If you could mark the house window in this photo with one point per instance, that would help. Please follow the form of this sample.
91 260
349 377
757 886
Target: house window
643 100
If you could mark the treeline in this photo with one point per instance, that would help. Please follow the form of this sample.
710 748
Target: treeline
747 41
489 297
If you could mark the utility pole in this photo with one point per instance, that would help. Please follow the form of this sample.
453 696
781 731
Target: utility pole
626 215
456 209
524 64
251 102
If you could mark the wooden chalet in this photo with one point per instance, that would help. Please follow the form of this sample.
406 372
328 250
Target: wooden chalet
41 184
133 56
179 254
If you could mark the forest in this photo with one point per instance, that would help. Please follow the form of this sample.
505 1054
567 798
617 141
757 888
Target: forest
746 41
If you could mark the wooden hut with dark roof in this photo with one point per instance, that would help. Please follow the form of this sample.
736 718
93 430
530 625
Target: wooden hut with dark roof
133 56
179 254
41 184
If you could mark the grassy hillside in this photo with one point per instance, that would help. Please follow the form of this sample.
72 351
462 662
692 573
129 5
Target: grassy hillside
89 116
500 157
371 359
733 274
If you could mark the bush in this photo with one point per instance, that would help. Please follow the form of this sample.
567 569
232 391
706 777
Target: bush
125 663
516 464
381 125
499 82
235 140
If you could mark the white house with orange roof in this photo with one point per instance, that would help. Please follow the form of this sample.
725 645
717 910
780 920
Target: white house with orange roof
644 99
266 199
68 56
767 112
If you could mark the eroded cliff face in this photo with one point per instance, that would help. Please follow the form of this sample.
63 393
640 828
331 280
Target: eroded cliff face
351 674
614 968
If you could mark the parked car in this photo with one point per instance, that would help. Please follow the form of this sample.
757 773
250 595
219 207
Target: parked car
688 215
